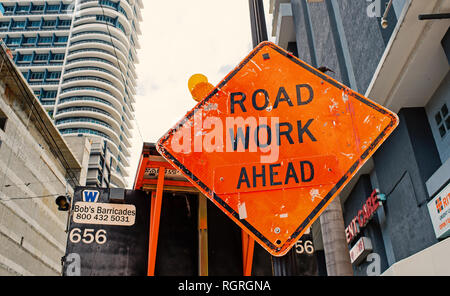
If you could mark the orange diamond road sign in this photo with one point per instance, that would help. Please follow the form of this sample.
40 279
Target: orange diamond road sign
274 143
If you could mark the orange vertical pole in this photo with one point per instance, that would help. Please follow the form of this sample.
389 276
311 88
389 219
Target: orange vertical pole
154 222
248 245
140 173
249 260
244 249
152 207
202 236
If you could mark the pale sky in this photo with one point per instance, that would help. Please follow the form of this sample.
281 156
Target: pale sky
181 38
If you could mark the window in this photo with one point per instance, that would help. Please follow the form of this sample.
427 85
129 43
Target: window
22 8
64 23
53 8
61 39
53 75
45 40
64 7
106 18
109 3
29 40
34 24
9 8
13 41
49 94
4 25
37 75
20 24
442 119
24 57
37 8
58 57
49 23
41 57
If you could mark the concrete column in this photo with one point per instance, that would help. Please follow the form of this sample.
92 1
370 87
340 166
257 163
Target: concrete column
337 255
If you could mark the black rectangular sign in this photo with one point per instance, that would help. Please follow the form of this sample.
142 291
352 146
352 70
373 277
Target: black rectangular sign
108 233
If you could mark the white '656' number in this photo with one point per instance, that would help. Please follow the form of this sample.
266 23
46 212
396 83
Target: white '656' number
87 236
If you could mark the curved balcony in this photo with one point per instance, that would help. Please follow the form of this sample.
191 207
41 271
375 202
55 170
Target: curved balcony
89 15
82 90
101 29
97 62
126 6
100 46
127 132
117 180
89 107
127 12
93 62
99 92
91 112
107 88
88 123
85 19
102 84
105 56
85 131
125 140
125 162
123 169
101 42
93 71
101 54
132 88
98 38
89 101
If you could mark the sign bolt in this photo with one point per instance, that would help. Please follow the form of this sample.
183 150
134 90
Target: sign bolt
277 230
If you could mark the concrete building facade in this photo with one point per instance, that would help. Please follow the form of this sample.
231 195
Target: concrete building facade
36 166
79 58
405 67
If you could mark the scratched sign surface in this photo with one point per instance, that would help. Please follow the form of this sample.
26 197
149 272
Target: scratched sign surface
274 143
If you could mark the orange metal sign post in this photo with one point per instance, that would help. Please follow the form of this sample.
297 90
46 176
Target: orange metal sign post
274 143
156 175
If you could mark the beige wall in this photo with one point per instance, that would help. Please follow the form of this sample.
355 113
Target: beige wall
433 261
32 230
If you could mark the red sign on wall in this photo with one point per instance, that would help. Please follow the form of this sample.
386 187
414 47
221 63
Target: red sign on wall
363 216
